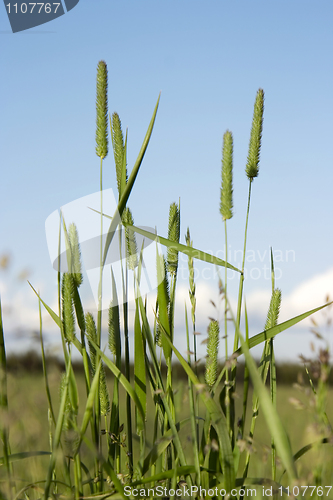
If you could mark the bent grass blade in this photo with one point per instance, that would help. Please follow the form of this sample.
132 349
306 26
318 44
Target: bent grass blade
187 250
272 332
56 319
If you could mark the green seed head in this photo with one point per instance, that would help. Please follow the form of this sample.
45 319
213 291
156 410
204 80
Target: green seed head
91 333
76 255
131 247
212 353
102 110
113 330
104 397
118 150
68 307
274 309
252 166
226 204
173 235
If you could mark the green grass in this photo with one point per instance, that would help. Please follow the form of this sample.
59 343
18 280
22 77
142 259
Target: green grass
103 430
28 434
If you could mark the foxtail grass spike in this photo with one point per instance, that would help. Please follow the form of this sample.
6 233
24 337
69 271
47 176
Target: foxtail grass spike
252 165
158 335
102 110
118 149
76 255
91 332
104 398
274 309
111 338
114 329
173 235
166 282
131 247
212 353
68 307
226 203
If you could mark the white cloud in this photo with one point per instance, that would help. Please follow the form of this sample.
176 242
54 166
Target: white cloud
309 295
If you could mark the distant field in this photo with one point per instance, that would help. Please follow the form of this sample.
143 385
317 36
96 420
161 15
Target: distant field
28 412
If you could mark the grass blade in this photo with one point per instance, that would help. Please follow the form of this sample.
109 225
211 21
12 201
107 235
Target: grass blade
271 332
47 387
116 219
90 401
187 250
194 426
4 404
14 457
139 370
56 319
58 431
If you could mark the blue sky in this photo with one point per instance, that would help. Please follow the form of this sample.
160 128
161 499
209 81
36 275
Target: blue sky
208 60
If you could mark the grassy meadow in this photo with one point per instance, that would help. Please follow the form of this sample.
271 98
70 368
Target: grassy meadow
295 407
125 425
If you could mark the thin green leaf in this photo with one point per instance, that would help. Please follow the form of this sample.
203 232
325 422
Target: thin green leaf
159 447
139 369
307 448
187 250
14 457
57 433
90 401
116 219
56 319
271 332
4 431
162 298
47 387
